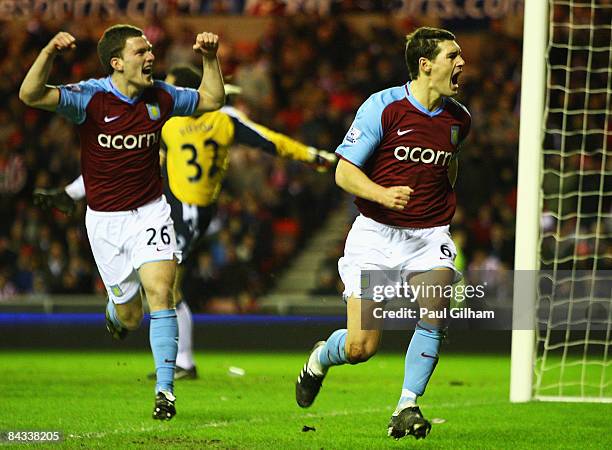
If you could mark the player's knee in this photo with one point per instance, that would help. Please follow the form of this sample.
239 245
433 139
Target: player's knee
358 353
160 296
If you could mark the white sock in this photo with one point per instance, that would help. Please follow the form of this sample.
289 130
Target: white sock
314 365
184 358
407 399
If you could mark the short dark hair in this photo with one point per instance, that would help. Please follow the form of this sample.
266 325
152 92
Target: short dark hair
423 43
186 76
112 43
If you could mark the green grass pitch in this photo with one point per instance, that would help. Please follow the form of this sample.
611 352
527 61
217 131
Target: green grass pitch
103 400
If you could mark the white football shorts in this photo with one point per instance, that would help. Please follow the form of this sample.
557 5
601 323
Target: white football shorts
371 245
122 241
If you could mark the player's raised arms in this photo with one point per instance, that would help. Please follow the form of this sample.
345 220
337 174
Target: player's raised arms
35 91
212 94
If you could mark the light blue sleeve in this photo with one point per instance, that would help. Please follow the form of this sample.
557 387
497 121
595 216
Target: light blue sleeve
74 99
365 133
185 99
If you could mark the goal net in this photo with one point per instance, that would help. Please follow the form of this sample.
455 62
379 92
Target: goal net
573 300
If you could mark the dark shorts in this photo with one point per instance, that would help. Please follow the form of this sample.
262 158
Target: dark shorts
190 222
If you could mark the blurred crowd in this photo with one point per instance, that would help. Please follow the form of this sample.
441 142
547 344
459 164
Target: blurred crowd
306 76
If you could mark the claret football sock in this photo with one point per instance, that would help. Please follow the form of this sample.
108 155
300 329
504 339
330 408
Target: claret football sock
184 358
333 353
421 360
163 335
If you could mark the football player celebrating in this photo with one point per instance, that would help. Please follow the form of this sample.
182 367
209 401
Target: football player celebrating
196 155
128 221
399 160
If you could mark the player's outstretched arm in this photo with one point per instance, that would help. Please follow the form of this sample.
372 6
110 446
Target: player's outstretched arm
247 132
322 160
34 90
212 93
350 178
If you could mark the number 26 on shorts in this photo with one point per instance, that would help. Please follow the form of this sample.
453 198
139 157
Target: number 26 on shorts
162 234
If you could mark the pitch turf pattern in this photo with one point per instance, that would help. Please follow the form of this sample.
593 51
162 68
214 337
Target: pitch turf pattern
103 400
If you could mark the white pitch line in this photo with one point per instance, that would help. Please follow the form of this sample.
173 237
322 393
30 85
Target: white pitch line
259 420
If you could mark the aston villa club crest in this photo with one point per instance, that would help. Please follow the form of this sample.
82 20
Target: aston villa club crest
116 290
454 134
153 110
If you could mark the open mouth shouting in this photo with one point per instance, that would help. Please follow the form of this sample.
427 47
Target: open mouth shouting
454 80
147 71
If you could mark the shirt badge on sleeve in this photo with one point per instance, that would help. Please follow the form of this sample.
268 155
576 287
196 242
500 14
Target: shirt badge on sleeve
454 134
153 110
353 134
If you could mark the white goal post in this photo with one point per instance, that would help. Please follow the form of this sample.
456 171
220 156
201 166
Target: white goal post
562 337
535 36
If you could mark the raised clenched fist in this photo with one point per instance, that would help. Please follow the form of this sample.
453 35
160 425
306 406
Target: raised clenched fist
206 44
60 42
